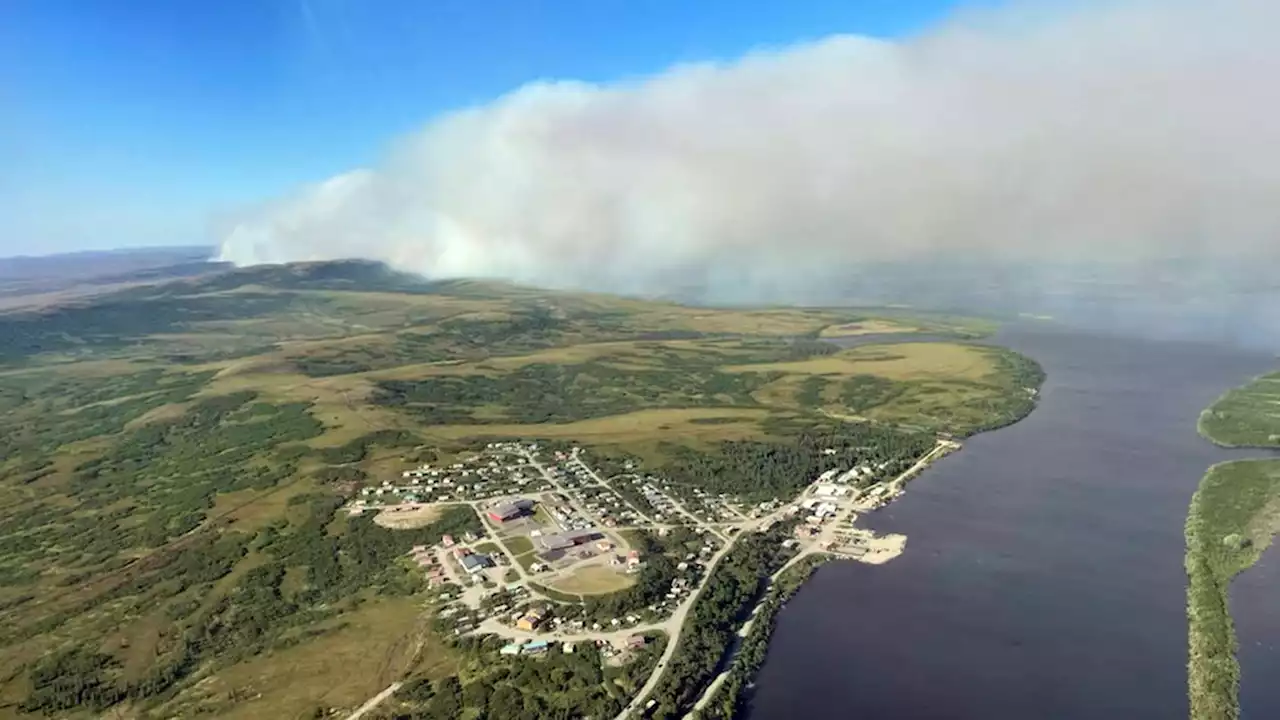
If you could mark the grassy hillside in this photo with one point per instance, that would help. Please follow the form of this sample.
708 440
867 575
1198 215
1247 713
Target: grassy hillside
1231 522
174 458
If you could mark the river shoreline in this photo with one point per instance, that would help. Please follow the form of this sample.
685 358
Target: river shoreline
1045 577
1230 526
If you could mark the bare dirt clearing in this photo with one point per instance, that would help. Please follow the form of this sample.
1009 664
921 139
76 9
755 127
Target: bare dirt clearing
407 519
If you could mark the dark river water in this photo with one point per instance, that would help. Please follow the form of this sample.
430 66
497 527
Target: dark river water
1043 574
1255 607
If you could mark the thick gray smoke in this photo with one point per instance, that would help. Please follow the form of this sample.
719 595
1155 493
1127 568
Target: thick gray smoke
1037 136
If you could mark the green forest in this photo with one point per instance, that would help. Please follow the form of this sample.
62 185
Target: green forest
556 685
732 591
731 699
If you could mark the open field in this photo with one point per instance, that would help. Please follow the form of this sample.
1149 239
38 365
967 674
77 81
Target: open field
404 519
866 327
939 386
488 548
518 545
251 510
174 461
592 580
906 361
527 561
692 424
340 668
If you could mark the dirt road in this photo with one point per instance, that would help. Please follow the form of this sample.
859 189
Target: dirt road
374 701
677 623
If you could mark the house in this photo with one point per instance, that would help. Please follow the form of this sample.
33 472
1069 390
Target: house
561 541
475 563
568 648
637 641
633 559
803 531
531 619
512 649
537 647
505 511
447 540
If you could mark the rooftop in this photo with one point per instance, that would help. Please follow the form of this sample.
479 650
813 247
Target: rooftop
473 561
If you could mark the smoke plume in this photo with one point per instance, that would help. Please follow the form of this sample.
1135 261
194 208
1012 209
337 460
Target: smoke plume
1123 133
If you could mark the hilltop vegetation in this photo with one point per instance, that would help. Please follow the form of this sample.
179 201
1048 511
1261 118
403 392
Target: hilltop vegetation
1232 519
173 458
1247 416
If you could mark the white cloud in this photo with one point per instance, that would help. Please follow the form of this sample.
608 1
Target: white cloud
1118 130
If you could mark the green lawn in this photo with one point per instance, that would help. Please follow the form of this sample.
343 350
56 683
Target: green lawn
488 548
518 545
541 517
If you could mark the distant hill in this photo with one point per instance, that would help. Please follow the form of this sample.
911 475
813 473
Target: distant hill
30 281
249 307
346 275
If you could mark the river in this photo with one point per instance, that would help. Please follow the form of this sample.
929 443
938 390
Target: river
1256 612
1043 575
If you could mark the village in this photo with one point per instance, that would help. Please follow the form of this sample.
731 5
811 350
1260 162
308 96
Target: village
558 535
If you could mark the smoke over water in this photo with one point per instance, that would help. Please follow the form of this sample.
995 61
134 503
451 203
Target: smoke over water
1045 141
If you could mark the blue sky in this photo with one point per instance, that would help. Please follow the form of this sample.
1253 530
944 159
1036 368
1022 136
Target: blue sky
138 122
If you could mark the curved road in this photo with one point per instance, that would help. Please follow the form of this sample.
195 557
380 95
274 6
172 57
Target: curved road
673 636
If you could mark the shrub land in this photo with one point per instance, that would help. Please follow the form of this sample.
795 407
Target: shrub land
1232 519
1248 416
